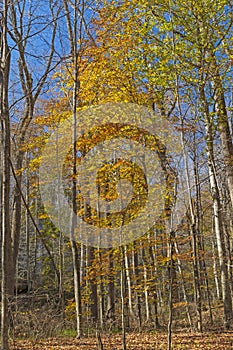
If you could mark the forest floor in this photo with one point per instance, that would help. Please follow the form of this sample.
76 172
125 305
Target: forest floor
135 341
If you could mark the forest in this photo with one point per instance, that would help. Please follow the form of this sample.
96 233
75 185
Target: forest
116 174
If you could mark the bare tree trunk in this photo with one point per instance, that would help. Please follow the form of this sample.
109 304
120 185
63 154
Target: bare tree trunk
216 278
123 330
193 217
5 195
217 212
128 280
138 296
93 287
171 276
73 42
154 273
180 269
111 289
223 126
27 229
145 274
74 246
60 247
101 293
77 287
203 277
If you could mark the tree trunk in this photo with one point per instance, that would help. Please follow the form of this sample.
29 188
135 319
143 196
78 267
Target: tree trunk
223 127
217 212
154 273
145 274
138 296
128 280
5 195
93 287
172 279
74 246
111 289
123 330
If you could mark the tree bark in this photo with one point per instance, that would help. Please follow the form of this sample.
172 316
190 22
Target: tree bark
111 289
122 289
217 212
5 164
223 127
93 286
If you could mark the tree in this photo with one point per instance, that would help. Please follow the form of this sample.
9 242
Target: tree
31 90
7 272
11 227
176 58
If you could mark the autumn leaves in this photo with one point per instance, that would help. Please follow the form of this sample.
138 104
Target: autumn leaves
123 179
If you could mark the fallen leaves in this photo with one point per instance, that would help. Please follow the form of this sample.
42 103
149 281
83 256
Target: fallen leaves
135 341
